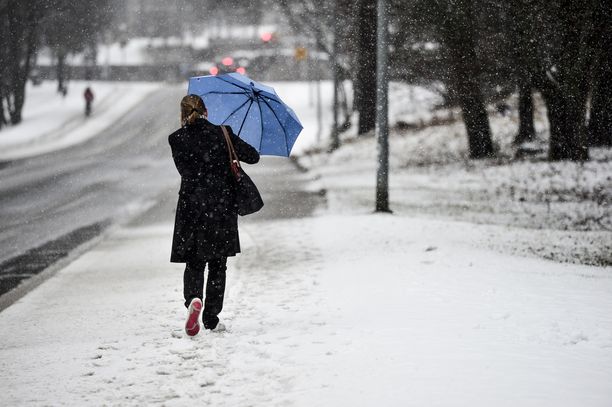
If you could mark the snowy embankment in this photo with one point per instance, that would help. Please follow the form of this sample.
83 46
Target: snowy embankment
52 122
559 211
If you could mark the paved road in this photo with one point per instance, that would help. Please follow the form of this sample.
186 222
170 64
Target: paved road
51 203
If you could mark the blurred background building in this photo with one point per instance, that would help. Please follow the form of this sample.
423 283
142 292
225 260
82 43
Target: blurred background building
161 40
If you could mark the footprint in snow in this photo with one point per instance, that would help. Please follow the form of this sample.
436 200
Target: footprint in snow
576 339
184 375
107 347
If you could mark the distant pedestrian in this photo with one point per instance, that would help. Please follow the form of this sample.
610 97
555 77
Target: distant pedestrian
89 97
206 224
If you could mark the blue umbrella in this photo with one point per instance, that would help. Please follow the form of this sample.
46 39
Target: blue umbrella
253 110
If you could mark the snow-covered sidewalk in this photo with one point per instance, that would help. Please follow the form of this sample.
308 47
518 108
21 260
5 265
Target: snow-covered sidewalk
333 310
52 122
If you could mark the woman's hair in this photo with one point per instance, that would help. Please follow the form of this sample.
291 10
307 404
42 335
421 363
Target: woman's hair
192 108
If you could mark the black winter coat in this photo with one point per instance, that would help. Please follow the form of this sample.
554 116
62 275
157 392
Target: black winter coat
206 224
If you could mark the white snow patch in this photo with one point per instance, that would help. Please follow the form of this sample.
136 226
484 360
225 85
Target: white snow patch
52 122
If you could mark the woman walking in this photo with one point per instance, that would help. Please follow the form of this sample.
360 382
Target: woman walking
206 225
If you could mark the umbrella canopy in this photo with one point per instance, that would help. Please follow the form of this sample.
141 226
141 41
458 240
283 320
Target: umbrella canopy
253 110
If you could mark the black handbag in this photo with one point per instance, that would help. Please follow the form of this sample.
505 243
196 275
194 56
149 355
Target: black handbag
248 198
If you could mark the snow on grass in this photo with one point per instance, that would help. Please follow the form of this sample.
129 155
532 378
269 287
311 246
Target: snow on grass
432 175
52 122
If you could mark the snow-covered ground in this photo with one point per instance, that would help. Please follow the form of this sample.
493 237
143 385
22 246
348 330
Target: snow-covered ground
565 207
52 122
335 310
344 308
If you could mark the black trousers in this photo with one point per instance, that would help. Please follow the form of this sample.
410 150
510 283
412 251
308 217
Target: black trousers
193 287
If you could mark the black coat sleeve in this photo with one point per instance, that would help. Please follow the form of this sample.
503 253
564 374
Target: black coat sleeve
244 150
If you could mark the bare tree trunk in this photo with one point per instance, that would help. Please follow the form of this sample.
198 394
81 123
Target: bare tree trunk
566 90
3 61
600 123
526 130
524 52
3 119
365 79
476 119
21 44
566 119
22 74
458 35
61 70
3 109
345 110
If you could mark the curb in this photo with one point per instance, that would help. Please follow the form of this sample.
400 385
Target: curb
9 298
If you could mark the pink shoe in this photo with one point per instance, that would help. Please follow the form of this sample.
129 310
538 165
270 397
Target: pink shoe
192 326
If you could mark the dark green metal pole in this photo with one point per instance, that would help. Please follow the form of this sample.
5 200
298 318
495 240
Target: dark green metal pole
382 108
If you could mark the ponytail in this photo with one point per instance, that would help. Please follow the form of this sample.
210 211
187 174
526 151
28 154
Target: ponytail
192 108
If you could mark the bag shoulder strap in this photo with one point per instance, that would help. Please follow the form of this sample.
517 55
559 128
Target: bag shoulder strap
233 157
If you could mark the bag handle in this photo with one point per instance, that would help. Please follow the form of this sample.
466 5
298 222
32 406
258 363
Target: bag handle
230 146
233 157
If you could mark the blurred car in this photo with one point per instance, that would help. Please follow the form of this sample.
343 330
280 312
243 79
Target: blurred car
228 65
